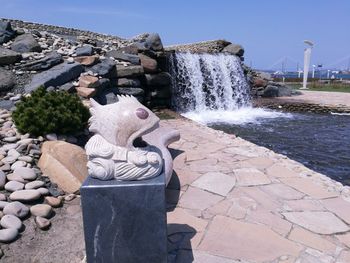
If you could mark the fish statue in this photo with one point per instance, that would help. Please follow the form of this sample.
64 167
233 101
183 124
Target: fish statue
112 151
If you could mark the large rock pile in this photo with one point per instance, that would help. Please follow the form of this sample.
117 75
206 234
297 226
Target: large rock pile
93 65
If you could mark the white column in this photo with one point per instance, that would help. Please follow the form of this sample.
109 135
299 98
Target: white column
307 57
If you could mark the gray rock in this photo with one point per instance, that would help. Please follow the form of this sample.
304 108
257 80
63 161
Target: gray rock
8 235
8 56
56 76
13 186
17 209
149 65
45 63
160 79
11 221
131 49
26 159
134 59
43 191
284 91
2 197
6 32
107 96
86 50
18 164
10 139
234 49
25 195
106 68
26 173
6 104
9 159
42 210
15 177
34 184
136 92
129 71
2 179
69 87
153 42
3 204
42 222
124 82
270 91
25 43
7 80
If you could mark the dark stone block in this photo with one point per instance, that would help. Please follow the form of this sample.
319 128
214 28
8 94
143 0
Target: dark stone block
134 59
125 221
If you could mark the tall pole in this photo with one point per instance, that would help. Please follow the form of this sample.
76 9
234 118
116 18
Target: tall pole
307 57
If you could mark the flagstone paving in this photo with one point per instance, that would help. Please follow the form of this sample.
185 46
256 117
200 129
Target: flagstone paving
232 201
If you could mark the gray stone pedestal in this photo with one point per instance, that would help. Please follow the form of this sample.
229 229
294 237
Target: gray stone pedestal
125 221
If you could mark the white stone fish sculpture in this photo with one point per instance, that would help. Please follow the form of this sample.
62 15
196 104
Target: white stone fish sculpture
111 151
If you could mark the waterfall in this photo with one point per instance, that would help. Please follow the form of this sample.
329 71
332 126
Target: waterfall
208 82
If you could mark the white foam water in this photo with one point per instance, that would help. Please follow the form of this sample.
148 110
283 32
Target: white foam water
212 88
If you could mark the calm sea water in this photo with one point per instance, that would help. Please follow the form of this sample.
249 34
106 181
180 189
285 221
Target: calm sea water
319 141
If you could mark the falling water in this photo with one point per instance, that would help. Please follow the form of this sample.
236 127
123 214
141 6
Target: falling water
212 88
208 82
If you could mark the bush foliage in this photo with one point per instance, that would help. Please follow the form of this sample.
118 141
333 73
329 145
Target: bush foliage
50 112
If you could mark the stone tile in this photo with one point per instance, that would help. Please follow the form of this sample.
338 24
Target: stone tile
202 257
344 238
278 170
282 191
262 198
181 217
312 240
186 177
242 241
261 162
220 208
344 257
303 205
318 222
309 187
195 198
215 182
275 222
251 177
339 207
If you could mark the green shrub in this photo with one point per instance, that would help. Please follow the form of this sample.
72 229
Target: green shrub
50 112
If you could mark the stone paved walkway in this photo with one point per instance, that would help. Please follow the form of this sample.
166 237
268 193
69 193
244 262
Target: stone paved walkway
322 98
232 201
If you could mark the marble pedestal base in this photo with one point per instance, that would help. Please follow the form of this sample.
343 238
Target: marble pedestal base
125 221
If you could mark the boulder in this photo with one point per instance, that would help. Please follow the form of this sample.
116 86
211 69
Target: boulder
234 49
124 82
56 76
6 32
8 56
25 43
134 59
106 68
153 42
107 96
65 164
87 60
86 50
7 80
270 91
149 65
129 71
45 63
160 79
259 82
131 49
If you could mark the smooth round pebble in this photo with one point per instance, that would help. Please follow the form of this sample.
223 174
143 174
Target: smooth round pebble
5 167
3 204
9 159
43 191
18 164
17 209
10 139
69 197
34 184
53 201
25 195
13 186
11 221
42 222
42 210
15 177
25 173
14 153
2 179
8 235
26 159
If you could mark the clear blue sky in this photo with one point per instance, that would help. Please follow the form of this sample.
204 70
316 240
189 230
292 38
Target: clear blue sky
269 30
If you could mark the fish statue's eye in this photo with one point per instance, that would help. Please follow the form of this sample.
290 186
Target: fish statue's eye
142 113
